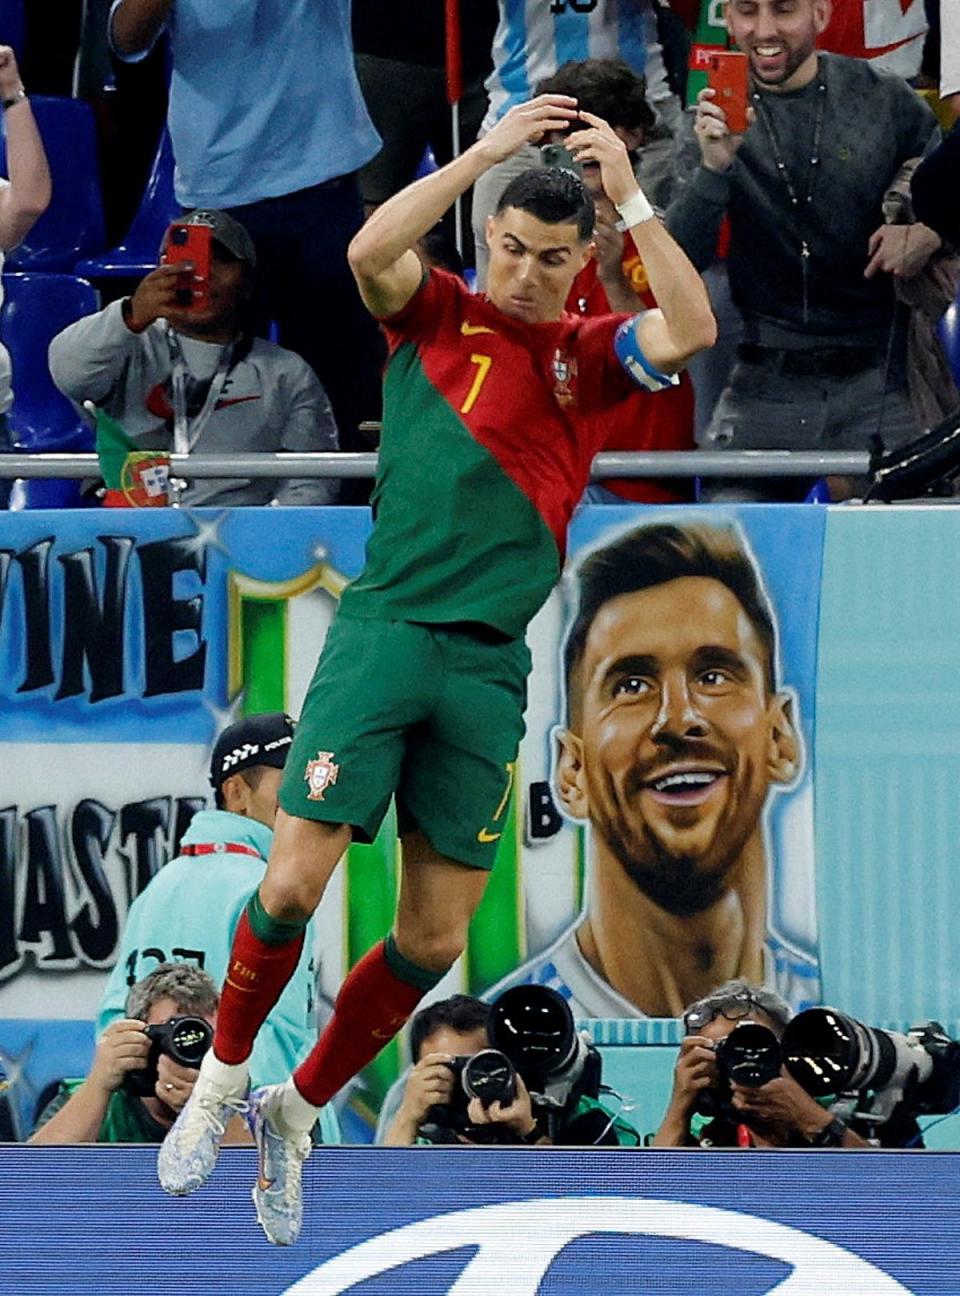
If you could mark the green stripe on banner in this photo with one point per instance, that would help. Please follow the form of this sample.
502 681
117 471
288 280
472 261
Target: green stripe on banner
371 902
494 945
263 635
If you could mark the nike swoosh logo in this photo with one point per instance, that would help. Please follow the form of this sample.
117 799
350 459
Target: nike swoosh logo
468 330
484 836
234 400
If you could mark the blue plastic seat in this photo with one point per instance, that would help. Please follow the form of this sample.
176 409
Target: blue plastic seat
35 308
13 25
138 252
72 226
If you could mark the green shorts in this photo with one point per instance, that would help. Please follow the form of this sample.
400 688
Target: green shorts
427 712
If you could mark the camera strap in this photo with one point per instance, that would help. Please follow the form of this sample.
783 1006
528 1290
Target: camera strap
186 431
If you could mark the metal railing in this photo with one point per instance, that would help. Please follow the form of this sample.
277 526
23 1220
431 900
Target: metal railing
657 463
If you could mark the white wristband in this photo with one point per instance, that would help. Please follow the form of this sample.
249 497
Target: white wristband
634 211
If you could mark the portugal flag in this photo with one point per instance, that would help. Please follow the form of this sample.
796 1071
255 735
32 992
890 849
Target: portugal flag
134 478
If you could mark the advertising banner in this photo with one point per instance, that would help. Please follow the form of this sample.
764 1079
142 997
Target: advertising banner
671 779
476 1221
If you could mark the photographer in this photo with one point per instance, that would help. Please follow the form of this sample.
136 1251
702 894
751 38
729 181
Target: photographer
446 1100
708 1108
123 1099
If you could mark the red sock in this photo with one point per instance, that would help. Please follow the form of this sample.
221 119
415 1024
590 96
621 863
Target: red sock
372 1005
256 976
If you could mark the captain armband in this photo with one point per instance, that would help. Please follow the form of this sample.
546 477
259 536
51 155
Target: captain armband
635 362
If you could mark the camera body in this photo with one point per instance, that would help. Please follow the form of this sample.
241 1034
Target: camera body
185 1039
532 1035
489 1076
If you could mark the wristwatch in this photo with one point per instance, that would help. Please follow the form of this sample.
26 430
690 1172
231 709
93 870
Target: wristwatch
14 99
830 1136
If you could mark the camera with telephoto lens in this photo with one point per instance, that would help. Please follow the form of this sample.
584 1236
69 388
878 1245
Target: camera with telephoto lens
184 1039
532 1034
830 1053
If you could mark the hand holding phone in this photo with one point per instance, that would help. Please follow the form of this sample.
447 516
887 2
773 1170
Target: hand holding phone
190 245
728 74
559 158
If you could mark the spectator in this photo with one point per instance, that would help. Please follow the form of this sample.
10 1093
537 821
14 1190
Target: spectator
528 48
401 60
188 379
823 361
23 200
615 278
776 1114
268 123
677 735
101 1109
190 909
445 1034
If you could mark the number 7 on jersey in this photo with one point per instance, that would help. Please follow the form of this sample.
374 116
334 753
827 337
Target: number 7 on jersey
483 363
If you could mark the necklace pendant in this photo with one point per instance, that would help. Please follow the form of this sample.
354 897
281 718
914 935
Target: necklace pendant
805 250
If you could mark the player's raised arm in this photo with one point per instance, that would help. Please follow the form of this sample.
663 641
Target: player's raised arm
384 264
683 324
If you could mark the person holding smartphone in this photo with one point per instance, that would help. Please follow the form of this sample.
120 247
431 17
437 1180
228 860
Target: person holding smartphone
811 263
175 364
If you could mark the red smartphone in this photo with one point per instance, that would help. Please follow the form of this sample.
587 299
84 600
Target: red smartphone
728 73
192 243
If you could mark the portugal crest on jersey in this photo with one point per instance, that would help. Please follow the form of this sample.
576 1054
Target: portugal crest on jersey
564 373
320 774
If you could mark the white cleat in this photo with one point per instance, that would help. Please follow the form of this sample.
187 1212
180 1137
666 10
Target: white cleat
189 1152
278 1192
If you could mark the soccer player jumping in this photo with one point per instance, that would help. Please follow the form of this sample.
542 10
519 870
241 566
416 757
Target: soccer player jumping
488 436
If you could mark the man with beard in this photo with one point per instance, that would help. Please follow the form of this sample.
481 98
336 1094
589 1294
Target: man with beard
812 266
676 732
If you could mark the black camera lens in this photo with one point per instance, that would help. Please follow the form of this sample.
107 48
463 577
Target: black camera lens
178 235
534 1026
188 1040
750 1055
828 1052
489 1076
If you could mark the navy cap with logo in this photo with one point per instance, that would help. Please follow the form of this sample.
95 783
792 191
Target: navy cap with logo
256 740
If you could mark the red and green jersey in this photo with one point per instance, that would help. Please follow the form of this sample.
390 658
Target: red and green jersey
489 430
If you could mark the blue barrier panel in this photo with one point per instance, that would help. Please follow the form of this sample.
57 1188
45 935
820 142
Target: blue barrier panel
477 1221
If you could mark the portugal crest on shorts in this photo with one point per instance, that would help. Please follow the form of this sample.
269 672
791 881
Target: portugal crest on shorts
320 774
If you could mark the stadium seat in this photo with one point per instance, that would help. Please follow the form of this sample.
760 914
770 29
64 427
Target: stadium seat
12 25
35 308
948 331
72 226
136 255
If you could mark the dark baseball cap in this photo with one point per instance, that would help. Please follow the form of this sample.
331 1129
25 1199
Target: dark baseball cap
256 740
227 231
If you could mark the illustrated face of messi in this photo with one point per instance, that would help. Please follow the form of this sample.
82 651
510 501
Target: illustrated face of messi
675 738
532 265
779 37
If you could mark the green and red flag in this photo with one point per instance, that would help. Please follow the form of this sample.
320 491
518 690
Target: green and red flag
134 478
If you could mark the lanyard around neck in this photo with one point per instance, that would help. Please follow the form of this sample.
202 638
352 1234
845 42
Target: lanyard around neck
186 431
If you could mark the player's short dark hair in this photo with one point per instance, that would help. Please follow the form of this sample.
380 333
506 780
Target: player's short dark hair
554 196
252 776
652 555
608 88
460 1013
